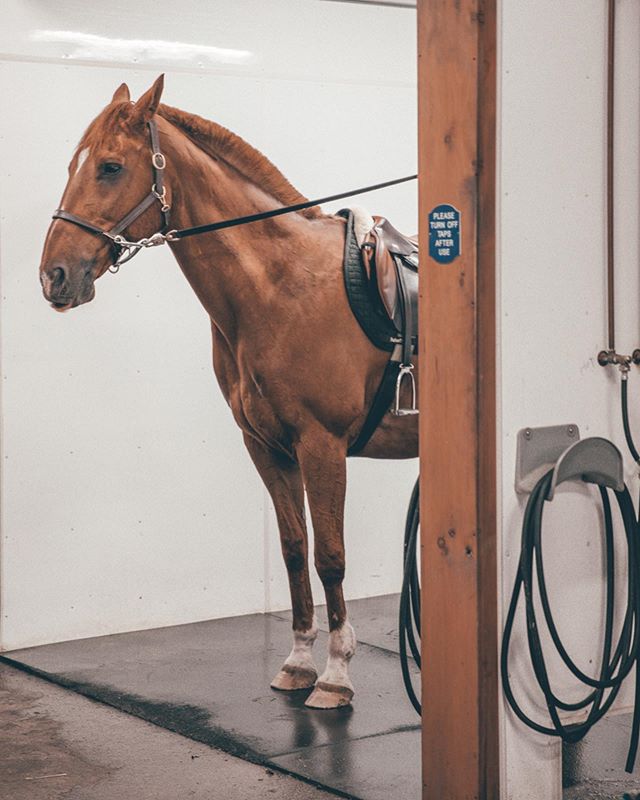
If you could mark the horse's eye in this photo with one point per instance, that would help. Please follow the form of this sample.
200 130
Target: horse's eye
110 168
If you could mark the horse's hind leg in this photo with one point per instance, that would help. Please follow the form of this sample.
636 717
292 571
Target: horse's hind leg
284 483
323 465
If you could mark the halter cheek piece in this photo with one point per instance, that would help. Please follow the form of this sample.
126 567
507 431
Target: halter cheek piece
124 249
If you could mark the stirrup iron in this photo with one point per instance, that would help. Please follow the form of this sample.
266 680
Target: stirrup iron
406 370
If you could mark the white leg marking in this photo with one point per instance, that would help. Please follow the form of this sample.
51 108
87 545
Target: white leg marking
303 641
342 646
298 671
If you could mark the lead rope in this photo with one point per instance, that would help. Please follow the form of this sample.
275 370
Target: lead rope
127 250
176 235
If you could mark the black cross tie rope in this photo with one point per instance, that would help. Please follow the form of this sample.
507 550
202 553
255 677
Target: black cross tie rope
124 250
183 233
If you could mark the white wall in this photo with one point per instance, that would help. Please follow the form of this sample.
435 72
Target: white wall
127 499
553 309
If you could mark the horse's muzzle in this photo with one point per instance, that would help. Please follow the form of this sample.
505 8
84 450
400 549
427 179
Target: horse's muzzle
64 289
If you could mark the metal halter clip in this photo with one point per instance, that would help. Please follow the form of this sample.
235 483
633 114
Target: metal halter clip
159 161
130 249
161 197
405 370
154 241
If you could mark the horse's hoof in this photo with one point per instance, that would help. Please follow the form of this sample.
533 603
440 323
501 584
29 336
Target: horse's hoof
328 695
290 679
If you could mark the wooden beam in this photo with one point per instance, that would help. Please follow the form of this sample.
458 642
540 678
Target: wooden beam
457 108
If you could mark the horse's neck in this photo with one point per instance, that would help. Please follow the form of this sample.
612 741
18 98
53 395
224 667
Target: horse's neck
235 272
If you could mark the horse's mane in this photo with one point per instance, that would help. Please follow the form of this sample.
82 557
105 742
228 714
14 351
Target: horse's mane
211 138
219 142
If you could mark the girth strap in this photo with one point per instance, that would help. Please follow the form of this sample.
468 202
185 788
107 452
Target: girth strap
379 407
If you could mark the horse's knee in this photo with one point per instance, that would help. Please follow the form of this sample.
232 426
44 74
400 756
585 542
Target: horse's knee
295 554
330 566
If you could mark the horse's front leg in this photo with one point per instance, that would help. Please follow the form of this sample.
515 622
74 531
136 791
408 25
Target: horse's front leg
284 483
322 459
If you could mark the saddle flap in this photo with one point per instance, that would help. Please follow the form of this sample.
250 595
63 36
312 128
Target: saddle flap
381 278
384 252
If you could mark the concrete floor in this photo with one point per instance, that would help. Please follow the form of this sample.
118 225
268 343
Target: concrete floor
593 769
56 744
209 681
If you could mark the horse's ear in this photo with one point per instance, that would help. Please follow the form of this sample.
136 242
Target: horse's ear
121 94
148 104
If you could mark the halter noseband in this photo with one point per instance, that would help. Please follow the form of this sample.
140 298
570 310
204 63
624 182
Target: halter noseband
126 250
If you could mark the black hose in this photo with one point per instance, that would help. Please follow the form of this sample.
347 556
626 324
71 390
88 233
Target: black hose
616 662
624 397
410 597
625 420
614 667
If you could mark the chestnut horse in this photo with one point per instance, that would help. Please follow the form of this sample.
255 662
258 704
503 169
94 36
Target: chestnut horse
293 364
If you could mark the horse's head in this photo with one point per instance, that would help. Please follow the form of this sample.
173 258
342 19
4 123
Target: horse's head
111 174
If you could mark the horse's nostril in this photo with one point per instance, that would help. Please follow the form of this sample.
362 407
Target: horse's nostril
57 276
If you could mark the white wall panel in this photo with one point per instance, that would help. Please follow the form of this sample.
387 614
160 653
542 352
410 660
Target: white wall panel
127 498
117 444
553 308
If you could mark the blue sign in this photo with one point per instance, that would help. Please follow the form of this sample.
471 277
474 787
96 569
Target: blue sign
444 234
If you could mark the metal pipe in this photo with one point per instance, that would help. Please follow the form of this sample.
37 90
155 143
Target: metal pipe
610 167
610 357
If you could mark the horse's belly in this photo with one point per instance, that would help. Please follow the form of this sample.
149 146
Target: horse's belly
395 437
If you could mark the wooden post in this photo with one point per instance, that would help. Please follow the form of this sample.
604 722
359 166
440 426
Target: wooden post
457 103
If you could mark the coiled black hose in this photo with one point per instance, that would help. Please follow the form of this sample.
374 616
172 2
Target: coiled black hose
616 662
410 597
614 667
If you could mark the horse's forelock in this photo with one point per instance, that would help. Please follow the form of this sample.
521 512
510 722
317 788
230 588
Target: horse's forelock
113 119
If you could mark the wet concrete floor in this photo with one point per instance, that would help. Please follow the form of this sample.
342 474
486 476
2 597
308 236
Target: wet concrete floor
57 745
209 681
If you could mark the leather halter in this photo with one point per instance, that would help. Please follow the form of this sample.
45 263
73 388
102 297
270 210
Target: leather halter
125 249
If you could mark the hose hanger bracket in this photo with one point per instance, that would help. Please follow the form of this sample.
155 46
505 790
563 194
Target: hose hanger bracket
559 447
593 460
538 450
